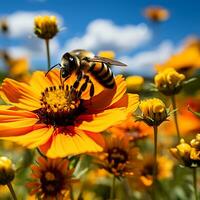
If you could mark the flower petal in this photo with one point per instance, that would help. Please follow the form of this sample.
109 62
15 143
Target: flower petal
40 82
34 138
130 101
101 121
107 97
19 94
72 142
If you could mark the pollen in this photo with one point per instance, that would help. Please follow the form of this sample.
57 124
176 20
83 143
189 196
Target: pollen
59 105
49 176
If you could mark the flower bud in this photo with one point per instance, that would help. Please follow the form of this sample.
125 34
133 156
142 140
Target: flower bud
134 83
154 111
169 82
107 54
195 143
7 172
46 27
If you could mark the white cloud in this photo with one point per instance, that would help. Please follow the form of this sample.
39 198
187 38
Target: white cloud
21 23
143 62
34 49
104 34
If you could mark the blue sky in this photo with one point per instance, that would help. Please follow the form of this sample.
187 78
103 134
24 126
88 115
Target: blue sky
77 15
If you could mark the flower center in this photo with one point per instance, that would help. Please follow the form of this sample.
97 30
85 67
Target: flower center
59 105
117 157
52 183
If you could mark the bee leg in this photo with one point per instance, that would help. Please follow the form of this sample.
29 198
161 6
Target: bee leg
84 86
80 76
91 89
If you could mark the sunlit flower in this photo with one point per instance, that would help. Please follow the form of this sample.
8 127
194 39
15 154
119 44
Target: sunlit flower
107 54
164 169
187 154
7 171
59 120
134 83
119 158
156 13
184 62
132 129
18 68
154 111
46 27
52 179
169 81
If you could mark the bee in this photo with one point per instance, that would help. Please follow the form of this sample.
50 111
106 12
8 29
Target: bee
83 62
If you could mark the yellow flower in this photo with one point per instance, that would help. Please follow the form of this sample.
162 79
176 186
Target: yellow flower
164 169
188 155
169 81
184 62
156 13
195 143
119 158
52 179
7 172
154 111
134 83
46 27
107 54
59 120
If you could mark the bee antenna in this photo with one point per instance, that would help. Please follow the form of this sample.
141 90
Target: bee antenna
58 64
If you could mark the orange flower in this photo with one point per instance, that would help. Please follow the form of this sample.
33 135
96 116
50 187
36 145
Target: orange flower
156 13
164 166
119 158
184 62
51 179
132 129
59 120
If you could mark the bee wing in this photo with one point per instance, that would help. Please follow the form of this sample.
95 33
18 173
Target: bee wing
107 61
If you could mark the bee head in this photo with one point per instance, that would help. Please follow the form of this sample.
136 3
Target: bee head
68 65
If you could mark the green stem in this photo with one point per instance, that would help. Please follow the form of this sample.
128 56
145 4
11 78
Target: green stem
71 193
112 193
175 116
48 54
155 128
195 183
12 190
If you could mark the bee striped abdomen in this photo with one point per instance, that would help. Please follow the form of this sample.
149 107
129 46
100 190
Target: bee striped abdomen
103 74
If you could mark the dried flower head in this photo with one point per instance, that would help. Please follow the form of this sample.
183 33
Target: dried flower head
7 172
154 111
169 82
52 178
119 158
46 27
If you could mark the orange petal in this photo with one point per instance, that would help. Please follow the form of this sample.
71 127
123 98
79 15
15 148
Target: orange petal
101 121
40 82
70 143
130 101
108 96
7 115
19 94
16 128
34 138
